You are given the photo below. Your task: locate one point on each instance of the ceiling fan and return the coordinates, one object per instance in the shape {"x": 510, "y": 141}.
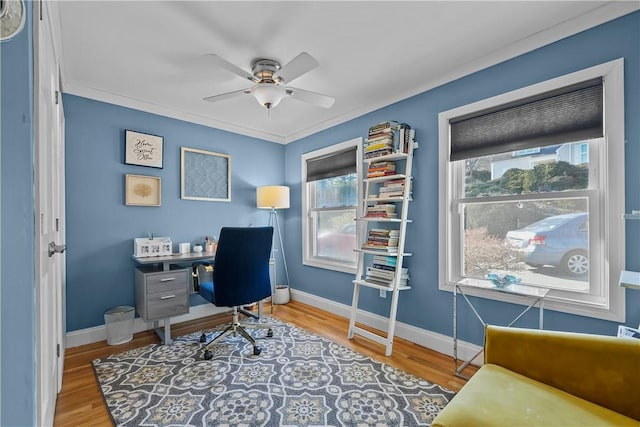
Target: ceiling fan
{"x": 271, "y": 81}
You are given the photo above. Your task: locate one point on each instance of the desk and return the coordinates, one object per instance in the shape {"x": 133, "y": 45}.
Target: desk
{"x": 535, "y": 294}
{"x": 163, "y": 288}
{"x": 167, "y": 260}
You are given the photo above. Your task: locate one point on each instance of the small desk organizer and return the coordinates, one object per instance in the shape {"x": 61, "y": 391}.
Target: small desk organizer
{"x": 158, "y": 246}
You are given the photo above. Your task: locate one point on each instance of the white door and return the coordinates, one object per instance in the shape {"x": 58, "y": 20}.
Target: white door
{"x": 49, "y": 181}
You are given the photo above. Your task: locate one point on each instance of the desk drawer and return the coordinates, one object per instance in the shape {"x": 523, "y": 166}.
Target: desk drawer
{"x": 167, "y": 304}
{"x": 165, "y": 281}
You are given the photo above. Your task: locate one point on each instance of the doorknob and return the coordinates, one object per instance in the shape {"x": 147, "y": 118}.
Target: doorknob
{"x": 56, "y": 249}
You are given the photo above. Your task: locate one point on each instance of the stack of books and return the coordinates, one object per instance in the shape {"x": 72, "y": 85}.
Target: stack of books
{"x": 381, "y": 210}
{"x": 392, "y": 188}
{"x": 377, "y": 169}
{"x": 387, "y": 138}
{"x": 383, "y": 271}
{"x": 378, "y": 144}
{"x": 382, "y": 239}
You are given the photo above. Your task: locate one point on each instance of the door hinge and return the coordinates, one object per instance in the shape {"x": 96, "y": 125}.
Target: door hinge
{"x": 57, "y": 350}
{"x": 57, "y": 224}
{"x": 57, "y": 95}
{"x": 41, "y": 14}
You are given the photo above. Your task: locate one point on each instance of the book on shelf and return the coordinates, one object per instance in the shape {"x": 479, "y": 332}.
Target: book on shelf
{"x": 379, "y": 272}
{"x": 385, "y": 260}
{"x": 399, "y": 136}
{"x": 378, "y": 145}
{"x": 383, "y": 127}
{"x": 386, "y": 165}
{"x": 384, "y": 281}
{"x": 381, "y": 169}
{"x": 387, "y": 232}
{"x": 383, "y": 207}
{"x": 381, "y": 215}
{"x": 392, "y": 188}
{"x": 380, "y": 246}
{"x": 379, "y": 138}
{"x": 378, "y": 153}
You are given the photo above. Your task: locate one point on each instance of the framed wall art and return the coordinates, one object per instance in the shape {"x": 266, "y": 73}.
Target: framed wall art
{"x": 143, "y": 149}
{"x": 205, "y": 175}
{"x": 142, "y": 190}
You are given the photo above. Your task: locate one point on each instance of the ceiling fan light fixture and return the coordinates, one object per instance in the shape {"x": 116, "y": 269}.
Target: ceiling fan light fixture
{"x": 268, "y": 94}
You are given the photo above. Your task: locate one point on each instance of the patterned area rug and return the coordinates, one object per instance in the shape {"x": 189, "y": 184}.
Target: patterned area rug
{"x": 300, "y": 379}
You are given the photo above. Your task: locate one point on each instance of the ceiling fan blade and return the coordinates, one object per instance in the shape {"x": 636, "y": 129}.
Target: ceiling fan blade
{"x": 223, "y": 63}
{"x": 299, "y": 65}
{"x": 228, "y": 95}
{"x": 318, "y": 99}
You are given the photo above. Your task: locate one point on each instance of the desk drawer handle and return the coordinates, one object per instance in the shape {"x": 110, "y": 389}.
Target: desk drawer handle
{"x": 168, "y": 297}
{"x": 168, "y": 279}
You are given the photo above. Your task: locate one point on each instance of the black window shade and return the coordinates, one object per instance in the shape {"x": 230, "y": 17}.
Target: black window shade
{"x": 569, "y": 114}
{"x": 332, "y": 165}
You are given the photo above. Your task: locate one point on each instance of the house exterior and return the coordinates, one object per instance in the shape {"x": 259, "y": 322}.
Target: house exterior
{"x": 574, "y": 153}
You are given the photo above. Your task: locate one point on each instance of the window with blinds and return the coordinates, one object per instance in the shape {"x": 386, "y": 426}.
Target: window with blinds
{"x": 330, "y": 192}
{"x": 527, "y": 190}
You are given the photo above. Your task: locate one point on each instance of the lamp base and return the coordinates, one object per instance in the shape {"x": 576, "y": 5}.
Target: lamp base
{"x": 281, "y": 295}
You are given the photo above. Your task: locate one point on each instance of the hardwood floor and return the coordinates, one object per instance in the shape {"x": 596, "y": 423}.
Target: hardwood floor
{"x": 80, "y": 402}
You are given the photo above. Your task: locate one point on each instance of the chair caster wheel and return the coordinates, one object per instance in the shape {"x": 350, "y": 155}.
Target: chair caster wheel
{"x": 270, "y": 333}
{"x": 257, "y": 350}
{"x": 203, "y": 337}
{"x": 208, "y": 355}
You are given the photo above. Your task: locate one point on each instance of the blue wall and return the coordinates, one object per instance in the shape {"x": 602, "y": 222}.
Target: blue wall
{"x": 101, "y": 228}
{"x": 17, "y": 319}
{"x": 424, "y": 305}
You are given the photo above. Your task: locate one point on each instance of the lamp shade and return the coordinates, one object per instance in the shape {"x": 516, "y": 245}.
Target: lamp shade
{"x": 273, "y": 197}
{"x": 268, "y": 95}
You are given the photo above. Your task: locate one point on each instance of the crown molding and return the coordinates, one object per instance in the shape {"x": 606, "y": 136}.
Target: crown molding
{"x": 166, "y": 111}
{"x": 603, "y": 14}
{"x": 593, "y": 18}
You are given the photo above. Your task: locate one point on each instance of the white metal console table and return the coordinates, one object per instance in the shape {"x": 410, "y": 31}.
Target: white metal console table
{"x": 535, "y": 294}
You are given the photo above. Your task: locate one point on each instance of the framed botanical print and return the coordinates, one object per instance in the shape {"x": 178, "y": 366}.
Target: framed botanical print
{"x": 143, "y": 190}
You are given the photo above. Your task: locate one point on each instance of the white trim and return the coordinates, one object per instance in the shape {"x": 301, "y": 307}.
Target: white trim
{"x": 166, "y": 111}
{"x": 611, "y": 184}
{"x": 307, "y": 257}
{"x": 432, "y": 340}
{"x": 603, "y": 14}
{"x": 99, "y": 333}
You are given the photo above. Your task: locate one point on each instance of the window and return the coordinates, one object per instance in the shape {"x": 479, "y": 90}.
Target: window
{"x": 330, "y": 194}
{"x": 584, "y": 153}
{"x": 515, "y": 200}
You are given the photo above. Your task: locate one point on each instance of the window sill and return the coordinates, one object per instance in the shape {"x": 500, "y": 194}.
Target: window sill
{"x": 331, "y": 265}
{"x": 580, "y": 308}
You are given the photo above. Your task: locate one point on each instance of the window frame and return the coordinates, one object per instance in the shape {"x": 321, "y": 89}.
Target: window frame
{"x": 308, "y": 223}
{"x": 607, "y": 301}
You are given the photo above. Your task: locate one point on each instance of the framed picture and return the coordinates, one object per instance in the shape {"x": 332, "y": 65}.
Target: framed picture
{"x": 142, "y": 190}
{"x": 205, "y": 175}
{"x": 143, "y": 149}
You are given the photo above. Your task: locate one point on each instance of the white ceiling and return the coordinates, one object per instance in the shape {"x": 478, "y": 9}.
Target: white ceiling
{"x": 149, "y": 55}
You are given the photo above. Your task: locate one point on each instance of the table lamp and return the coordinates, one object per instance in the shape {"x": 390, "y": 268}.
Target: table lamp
{"x": 274, "y": 197}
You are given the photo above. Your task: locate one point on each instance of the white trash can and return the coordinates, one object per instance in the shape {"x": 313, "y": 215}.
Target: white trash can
{"x": 281, "y": 295}
{"x": 119, "y": 322}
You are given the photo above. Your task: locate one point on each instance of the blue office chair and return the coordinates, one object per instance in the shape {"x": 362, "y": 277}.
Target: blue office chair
{"x": 240, "y": 277}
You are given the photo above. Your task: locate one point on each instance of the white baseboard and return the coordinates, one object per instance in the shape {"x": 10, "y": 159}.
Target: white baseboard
{"x": 99, "y": 333}
{"x": 432, "y": 340}
{"x": 435, "y": 341}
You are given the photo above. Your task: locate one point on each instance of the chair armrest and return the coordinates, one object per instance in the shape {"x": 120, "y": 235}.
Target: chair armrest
{"x": 600, "y": 369}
